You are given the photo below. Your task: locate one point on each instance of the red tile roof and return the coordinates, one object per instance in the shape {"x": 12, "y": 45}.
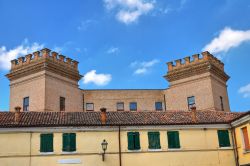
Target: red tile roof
{"x": 59, "y": 119}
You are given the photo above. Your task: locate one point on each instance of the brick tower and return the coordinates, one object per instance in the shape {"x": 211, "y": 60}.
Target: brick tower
{"x": 45, "y": 81}
{"x": 200, "y": 82}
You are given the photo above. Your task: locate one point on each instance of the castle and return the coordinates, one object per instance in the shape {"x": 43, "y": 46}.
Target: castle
{"x": 46, "y": 81}
{"x": 53, "y": 122}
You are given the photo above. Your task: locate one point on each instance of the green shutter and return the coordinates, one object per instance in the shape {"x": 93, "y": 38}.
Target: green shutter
{"x": 154, "y": 140}
{"x": 133, "y": 141}
{"x": 130, "y": 140}
{"x": 223, "y": 137}
{"x": 46, "y": 143}
{"x": 65, "y": 142}
{"x": 137, "y": 140}
{"x": 173, "y": 139}
{"x": 72, "y": 142}
{"x": 69, "y": 142}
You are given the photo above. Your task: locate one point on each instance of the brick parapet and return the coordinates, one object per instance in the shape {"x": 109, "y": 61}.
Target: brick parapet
{"x": 44, "y": 54}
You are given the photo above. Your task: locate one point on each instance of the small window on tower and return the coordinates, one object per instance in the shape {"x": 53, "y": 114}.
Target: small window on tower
{"x": 221, "y": 103}
{"x": 62, "y": 104}
{"x": 191, "y": 102}
{"x": 26, "y": 104}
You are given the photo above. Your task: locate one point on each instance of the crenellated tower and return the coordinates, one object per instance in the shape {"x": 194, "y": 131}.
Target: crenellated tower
{"x": 44, "y": 79}
{"x": 198, "y": 81}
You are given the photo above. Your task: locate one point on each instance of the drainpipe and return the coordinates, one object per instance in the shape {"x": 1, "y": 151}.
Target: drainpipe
{"x": 233, "y": 135}
{"x": 30, "y": 147}
{"x": 165, "y": 107}
{"x": 120, "y": 154}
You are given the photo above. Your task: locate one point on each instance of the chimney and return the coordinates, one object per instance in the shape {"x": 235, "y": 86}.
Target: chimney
{"x": 17, "y": 114}
{"x": 194, "y": 114}
{"x": 103, "y": 115}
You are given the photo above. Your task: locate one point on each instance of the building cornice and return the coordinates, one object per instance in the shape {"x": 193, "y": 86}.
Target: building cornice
{"x": 114, "y": 128}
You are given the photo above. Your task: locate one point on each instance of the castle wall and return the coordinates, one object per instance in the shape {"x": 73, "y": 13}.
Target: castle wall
{"x": 108, "y": 98}
{"x": 198, "y": 86}
{"x": 219, "y": 88}
{"x": 58, "y": 86}
{"x": 32, "y": 86}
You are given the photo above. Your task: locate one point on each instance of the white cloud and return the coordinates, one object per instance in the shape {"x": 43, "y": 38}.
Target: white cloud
{"x": 129, "y": 11}
{"x": 86, "y": 24}
{"x": 227, "y": 39}
{"x": 24, "y": 48}
{"x": 97, "y": 79}
{"x": 143, "y": 67}
{"x": 245, "y": 90}
{"x": 113, "y": 50}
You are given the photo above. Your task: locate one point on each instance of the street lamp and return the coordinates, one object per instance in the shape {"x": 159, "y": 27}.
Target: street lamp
{"x": 104, "y": 148}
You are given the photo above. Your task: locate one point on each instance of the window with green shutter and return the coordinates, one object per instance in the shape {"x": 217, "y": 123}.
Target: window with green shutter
{"x": 173, "y": 139}
{"x": 69, "y": 142}
{"x": 46, "y": 142}
{"x": 133, "y": 141}
{"x": 154, "y": 140}
{"x": 223, "y": 137}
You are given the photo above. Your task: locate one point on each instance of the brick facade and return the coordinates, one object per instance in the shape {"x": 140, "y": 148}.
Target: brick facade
{"x": 47, "y": 77}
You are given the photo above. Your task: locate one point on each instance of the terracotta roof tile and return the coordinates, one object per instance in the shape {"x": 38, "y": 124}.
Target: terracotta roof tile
{"x": 56, "y": 119}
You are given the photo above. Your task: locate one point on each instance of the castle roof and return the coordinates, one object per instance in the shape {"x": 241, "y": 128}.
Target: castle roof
{"x": 125, "y": 118}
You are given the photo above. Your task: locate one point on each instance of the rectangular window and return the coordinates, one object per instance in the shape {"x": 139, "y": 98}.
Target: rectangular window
{"x": 133, "y": 106}
{"x": 191, "y": 102}
{"x": 154, "y": 140}
{"x": 89, "y": 106}
{"x": 62, "y": 104}
{"x": 120, "y": 106}
{"x": 245, "y": 138}
{"x": 173, "y": 140}
{"x": 69, "y": 142}
{"x": 221, "y": 103}
{"x": 46, "y": 142}
{"x": 26, "y": 104}
{"x": 223, "y": 137}
{"x": 158, "y": 106}
{"x": 134, "y": 141}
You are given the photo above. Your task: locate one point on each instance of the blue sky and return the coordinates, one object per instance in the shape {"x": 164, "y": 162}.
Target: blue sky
{"x": 126, "y": 43}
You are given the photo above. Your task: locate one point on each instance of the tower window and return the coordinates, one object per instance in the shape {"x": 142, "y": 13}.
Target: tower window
{"x": 191, "y": 102}
{"x": 26, "y": 104}
{"x": 62, "y": 104}
{"x": 221, "y": 103}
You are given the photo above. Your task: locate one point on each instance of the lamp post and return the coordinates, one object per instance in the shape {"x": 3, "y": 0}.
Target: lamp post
{"x": 104, "y": 148}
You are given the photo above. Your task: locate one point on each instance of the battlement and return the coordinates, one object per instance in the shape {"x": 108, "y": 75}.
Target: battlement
{"x": 44, "y": 54}
{"x": 206, "y": 57}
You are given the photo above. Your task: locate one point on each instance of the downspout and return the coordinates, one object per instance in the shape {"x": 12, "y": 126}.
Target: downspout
{"x": 30, "y": 149}
{"x": 119, "y": 139}
{"x": 233, "y": 135}
{"x": 165, "y": 102}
